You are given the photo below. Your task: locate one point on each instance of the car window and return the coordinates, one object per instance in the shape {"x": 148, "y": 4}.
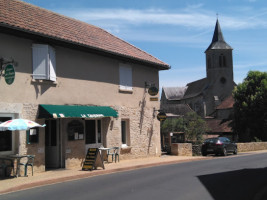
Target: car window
{"x": 211, "y": 140}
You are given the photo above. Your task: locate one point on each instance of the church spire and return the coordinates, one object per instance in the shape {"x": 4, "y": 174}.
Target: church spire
{"x": 218, "y": 40}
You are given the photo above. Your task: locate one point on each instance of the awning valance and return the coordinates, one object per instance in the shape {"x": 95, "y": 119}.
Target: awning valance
{"x": 75, "y": 111}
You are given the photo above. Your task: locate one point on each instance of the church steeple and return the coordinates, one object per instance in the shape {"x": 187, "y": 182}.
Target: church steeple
{"x": 218, "y": 41}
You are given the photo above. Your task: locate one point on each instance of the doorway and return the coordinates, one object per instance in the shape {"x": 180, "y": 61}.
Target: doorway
{"x": 93, "y": 134}
{"x": 52, "y": 144}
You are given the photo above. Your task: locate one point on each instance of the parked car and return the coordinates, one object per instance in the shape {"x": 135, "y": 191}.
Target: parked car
{"x": 219, "y": 145}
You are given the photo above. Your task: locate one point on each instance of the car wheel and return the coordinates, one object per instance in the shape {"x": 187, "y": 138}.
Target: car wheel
{"x": 204, "y": 153}
{"x": 235, "y": 151}
{"x": 224, "y": 152}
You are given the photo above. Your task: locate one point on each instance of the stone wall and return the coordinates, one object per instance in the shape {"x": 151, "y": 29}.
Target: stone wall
{"x": 252, "y": 146}
{"x": 181, "y": 149}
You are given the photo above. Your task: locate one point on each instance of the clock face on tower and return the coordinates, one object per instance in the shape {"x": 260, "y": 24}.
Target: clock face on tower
{"x": 223, "y": 80}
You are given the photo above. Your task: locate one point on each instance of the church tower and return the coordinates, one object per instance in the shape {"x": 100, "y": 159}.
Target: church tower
{"x": 219, "y": 69}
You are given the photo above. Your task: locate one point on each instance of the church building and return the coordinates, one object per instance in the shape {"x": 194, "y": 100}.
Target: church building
{"x": 205, "y": 95}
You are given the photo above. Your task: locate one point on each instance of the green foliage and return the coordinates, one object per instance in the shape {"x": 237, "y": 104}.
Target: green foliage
{"x": 195, "y": 127}
{"x": 191, "y": 124}
{"x": 250, "y": 108}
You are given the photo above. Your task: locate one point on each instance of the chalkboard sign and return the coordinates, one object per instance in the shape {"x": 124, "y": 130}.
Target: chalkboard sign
{"x": 93, "y": 160}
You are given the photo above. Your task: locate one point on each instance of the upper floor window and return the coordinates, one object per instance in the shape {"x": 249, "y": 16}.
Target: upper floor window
{"x": 126, "y": 77}
{"x": 209, "y": 63}
{"x": 44, "y": 62}
{"x": 222, "y": 61}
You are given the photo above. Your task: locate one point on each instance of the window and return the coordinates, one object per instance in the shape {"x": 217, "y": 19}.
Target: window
{"x": 93, "y": 132}
{"x": 222, "y": 61}
{"x": 32, "y": 136}
{"x": 75, "y": 130}
{"x": 125, "y": 77}
{"x": 6, "y": 137}
{"x": 125, "y": 133}
{"x": 44, "y": 62}
{"x": 209, "y": 63}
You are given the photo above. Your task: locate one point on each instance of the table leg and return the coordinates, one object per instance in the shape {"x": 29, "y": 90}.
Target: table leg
{"x": 18, "y": 167}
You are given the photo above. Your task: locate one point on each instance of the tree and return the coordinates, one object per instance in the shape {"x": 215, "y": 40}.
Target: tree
{"x": 191, "y": 124}
{"x": 250, "y": 108}
{"x": 195, "y": 127}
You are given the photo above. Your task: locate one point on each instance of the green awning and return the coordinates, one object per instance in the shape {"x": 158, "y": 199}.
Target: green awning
{"x": 74, "y": 111}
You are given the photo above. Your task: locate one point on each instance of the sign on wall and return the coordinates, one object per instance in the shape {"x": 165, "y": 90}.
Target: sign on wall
{"x": 9, "y": 74}
{"x": 153, "y": 91}
{"x": 161, "y": 116}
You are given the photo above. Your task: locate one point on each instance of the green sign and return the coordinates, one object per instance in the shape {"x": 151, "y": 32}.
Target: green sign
{"x": 9, "y": 74}
{"x": 153, "y": 91}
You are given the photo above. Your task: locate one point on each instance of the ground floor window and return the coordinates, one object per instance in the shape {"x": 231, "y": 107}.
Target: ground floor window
{"x": 6, "y": 137}
{"x": 125, "y": 132}
{"x": 93, "y": 130}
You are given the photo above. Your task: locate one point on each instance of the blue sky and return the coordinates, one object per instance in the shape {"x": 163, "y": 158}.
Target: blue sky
{"x": 179, "y": 31}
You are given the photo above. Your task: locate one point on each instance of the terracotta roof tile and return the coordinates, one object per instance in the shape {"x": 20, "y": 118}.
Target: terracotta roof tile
{"x": 227, "y": 103}
{"x": 29, "y": 18}
{"x": 218, "y": 126}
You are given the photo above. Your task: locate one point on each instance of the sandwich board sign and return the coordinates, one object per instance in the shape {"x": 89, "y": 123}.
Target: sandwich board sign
{"x": 92, "y": 160}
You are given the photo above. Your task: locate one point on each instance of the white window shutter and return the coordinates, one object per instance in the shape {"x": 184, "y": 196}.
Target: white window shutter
{"x": 126, "y": 77}
{"x": 39, "y": 61}
{"x": 52, "y": 64}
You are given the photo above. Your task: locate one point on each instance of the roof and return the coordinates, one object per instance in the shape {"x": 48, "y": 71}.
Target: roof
{"x": 227, "y": 103}
{"x": 218, "y": 126}
{"x": 174, "y": 93}
{"x": 176, "y": 109}
{"x": 27, "y": 18}
{"x": 195, "y": 88}
{"x": 218, "y": 41}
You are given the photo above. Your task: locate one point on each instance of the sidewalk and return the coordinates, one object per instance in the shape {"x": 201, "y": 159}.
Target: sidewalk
{"x": 62, "y": 175}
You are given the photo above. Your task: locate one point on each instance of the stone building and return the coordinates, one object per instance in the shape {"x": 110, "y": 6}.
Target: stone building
{"x": 87, "y": 85}
{"x": 205, "y": 95}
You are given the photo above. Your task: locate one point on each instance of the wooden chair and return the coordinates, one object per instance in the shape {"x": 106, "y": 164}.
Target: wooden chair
{"x": 29, "y": 162}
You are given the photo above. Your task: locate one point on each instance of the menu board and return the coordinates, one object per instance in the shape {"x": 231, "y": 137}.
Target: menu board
{"x": 93, "y": 160}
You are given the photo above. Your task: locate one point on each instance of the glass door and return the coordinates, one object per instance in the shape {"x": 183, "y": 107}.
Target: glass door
{"x": 93, "y": 134}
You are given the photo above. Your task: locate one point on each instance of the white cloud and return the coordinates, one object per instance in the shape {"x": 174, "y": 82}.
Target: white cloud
{"x": 192, "y": 18}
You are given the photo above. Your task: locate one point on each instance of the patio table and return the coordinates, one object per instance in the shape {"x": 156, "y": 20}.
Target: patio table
{"x": 17, "y": 158}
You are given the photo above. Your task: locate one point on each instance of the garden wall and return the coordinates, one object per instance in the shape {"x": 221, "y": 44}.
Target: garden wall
{"x": 181, "y": 149}
{"x": 251, "y": 146}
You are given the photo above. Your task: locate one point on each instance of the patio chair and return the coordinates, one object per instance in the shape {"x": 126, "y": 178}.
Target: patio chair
{"x": 111, "y": 152}
{"x": 117, "y": 154}
{"x": 29, "y": 162}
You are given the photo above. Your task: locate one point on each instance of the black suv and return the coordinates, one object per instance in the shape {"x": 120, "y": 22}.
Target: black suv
{"x": 219, "y": 145}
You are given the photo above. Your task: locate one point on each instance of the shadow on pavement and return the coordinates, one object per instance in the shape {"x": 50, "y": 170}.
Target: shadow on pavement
{"x": 246, "y": 184}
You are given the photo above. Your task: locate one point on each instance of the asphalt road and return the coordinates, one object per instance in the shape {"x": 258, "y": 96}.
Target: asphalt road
{"x": 241, "y": 177}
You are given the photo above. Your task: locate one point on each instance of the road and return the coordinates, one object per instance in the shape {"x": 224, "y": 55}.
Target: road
{"x": 223, "y": 178}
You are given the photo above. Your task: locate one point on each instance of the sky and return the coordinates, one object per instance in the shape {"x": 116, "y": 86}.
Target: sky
{"x": 179, "y": 31}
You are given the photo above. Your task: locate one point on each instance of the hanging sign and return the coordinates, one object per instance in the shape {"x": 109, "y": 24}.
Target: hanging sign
{"x": 92, "y": 160}
{"x": 9, "y": 74}
{"x": 153, "y": 91}
{"x": 162, "y": 116}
